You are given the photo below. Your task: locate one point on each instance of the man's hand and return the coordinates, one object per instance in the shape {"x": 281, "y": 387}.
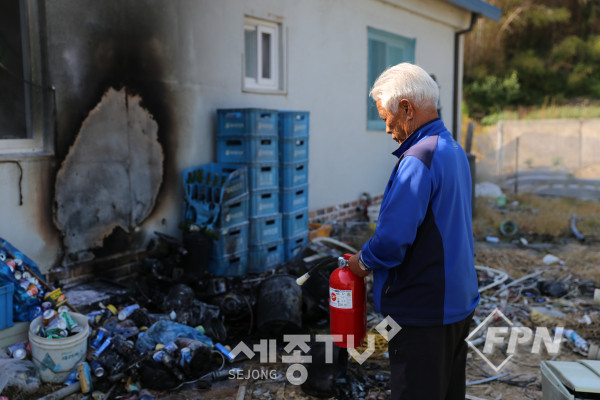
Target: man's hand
{"x": 355, "y": 267}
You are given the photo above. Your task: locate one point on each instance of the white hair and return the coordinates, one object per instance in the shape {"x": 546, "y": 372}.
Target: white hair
{"x": 405, "y": 81}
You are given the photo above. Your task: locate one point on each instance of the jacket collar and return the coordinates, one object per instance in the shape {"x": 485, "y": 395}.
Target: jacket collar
{"x": 421, "y": 132}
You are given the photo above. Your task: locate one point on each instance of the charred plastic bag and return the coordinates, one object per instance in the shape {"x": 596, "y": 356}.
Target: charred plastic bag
{"x": 25, "y": 307}
{"x": 165, "y": 331}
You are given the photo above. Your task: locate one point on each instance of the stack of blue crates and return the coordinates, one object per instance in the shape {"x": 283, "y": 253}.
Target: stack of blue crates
{"x": 216, "y": 196}
{"x": 293, "y": 180}
{"x": 248, "y": 137}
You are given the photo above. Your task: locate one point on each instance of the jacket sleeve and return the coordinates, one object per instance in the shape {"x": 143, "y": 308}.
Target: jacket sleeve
{"x": 402, "y": 211}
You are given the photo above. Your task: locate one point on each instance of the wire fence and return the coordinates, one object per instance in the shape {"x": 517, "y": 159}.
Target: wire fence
{"x": 547, "y": 155}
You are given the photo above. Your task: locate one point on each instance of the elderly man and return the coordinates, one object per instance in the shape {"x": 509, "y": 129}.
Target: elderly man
{"x": 421, "y": 253}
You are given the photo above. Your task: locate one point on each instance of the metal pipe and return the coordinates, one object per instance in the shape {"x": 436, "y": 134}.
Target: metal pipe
{"x": 499, "y": 278}
{"x": 493, "y": 378}
{"x": 455, "y": 105}
{"x": 64, "y": 392}
{"x": 578, "y": 235}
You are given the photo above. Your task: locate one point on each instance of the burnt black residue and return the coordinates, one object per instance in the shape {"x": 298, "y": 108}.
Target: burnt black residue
{"x": 125, "y": 46}
{"x": 117, "y": 242}
{"x": 140, "y": 71}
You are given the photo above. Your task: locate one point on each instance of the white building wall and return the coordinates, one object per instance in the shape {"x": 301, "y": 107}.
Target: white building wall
{"x": 202, "y": 43}
{"x": 327, "y": 75}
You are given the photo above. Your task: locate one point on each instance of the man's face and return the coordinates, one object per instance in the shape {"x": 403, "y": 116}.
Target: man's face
{"x": 395, "y": 124}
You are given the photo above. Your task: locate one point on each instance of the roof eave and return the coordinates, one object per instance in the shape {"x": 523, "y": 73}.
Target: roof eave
{"x": 480, "y": 7}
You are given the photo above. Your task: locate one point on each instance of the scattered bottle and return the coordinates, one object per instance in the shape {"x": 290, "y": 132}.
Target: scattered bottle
{"x": 126, "y": 312}
{"x": 97, "y": 368}
{"x": 18, "y": 351}
{"x": 84, "y": 374}
{"x": 577, "y": 340}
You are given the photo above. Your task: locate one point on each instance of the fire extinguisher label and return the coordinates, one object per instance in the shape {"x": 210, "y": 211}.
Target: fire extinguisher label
{"x": 340, "y": 298}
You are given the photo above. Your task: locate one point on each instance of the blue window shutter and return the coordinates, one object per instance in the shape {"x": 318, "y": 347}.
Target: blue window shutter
{"x": 385, "y": 50}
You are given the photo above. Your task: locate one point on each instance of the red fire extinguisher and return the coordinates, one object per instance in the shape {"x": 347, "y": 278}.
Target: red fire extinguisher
{"x": 347, "y": 305}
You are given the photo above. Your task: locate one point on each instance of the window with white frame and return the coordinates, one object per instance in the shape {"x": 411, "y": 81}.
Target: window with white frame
{"x": 263, "y": 61}
{"x": 385, "y": 49}
{"x": 23, "y": 114}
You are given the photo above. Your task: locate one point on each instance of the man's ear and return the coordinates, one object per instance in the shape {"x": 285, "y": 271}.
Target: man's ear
{"x": 408, "y": 108}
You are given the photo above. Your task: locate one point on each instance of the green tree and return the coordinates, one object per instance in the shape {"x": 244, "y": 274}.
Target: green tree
{"x": 552, "y": 46}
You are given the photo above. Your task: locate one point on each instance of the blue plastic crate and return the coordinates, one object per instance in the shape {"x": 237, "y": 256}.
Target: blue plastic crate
{"x": 232, "y": 150}
{"x": 6, "y": 306}
{"x": 293, "y": 123}
{"x": 229, "y": 213}
{"x": 231, "y": 240}
{"x": 293, "y": 199}
{"x": 263, "y": 176}
{"x": 265, "y": 229}
{"x": 293, "y": 150}
{"x": 234, "y": 211}
{"x": 229, "y": 265}
{"x": 215, "y": 182}
{"x": 264, "y": 202}
{"x": 295, "y": 223}
{"x": 293, "y": 174}
{"x": 247, "y": 149}
{"x": 293, "y": 246}
{"x": 247, "y": 121}
{"x": 265, "y": 256}
{"x": 198, "y": 213}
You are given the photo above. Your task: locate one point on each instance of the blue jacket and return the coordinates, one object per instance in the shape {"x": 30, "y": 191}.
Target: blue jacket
{"x": 422, "y": 251}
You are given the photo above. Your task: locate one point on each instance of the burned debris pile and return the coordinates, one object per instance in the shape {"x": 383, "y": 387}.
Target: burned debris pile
{"x": 175, "y": 328}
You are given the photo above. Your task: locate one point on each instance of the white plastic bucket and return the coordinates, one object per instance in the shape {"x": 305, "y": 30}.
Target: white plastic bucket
{"x": 56, "y": 358}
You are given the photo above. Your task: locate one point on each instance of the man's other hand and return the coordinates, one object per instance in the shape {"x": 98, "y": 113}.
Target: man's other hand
{"x": 355, "y": 267}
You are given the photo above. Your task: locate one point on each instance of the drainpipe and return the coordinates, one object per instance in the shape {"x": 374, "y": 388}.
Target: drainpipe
{"x": 455, "y": 105}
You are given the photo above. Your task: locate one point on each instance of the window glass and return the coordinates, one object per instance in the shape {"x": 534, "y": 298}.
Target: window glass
{"x": 263, "y": 56}
{"x": 385, "y": 50}
{"x": 12, "y": 99}
{"x": 250, "y": 46}
{"x": 266, "y": 55}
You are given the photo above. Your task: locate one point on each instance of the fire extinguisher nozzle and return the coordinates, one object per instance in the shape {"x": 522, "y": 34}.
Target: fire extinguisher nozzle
{"x": 300, "y": 281}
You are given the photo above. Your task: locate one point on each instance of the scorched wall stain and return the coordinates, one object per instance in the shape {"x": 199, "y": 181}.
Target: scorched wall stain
{"x": 111, "y": 175}
{"x": 120, "y": 45}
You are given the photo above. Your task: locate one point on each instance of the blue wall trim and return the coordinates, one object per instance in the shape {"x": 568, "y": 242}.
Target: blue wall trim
{"x": 478, "y": 6}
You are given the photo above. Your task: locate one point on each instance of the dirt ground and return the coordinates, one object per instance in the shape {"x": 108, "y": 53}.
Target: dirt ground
{"x": 543, "y": 229}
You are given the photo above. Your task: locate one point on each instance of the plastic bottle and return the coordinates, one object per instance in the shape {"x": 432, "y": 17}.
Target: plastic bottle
{"x": 216, "y": 189}
{"x": 577, "y": 340}
{"x": 225, "y": 351}
{"x": 126, "y": 312}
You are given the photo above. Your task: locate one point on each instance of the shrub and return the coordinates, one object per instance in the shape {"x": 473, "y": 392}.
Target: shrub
{"x": 492, "y": 94}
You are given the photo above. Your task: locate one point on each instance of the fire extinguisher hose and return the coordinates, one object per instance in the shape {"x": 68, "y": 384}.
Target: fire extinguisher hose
{"x": 327, "y": 261}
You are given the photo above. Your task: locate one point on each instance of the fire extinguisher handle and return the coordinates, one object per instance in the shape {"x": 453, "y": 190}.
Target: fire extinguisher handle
{"x": 343, "y": 261}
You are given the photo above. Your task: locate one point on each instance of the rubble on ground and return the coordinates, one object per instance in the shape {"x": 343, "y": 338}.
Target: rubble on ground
{"x": 171, "y": 333}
